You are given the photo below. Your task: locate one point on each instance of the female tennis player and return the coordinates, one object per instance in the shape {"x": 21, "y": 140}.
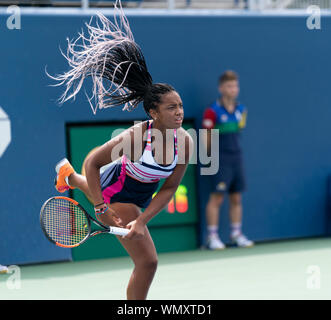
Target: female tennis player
{"x": 121, "y": 180}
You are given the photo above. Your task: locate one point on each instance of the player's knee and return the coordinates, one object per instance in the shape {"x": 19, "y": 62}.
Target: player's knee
{"x": 149, "y": 264}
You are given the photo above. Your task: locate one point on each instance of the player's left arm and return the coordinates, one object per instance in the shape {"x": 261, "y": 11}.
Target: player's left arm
{"x": 166, "y": 192}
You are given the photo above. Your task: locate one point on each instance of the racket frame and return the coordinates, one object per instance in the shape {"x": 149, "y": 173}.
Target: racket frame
{"x": 106, "y": 229}
{"x": 88, "y": 218}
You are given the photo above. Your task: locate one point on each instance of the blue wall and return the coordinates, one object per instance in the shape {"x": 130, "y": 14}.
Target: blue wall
{"x": 284, "y": 70}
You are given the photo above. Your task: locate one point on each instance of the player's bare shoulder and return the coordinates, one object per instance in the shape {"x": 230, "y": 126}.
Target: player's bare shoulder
{"x": 137, "y": 134}
{"x": 185, "y": 145}
{"x": 138, "y": 129}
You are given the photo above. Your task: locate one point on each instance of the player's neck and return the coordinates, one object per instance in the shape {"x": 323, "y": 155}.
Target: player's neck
{"x": 164, "y": 131}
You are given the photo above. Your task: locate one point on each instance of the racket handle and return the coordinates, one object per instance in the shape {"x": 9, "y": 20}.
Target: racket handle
{"x": 119, "y": 231}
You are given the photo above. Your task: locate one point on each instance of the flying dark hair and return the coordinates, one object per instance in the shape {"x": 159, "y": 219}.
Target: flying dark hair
{"x": 154, "y": 93}
{"x": 115, "y": 63}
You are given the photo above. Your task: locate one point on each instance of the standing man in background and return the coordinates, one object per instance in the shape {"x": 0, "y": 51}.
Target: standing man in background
{"x": 227, "y": 115}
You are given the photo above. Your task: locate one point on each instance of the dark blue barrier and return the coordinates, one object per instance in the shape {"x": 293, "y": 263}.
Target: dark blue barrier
{"x": 328, "y": 206}
{"x": 284, "y": 72}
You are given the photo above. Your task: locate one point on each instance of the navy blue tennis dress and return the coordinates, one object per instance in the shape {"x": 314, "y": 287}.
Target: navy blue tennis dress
{"x": 135, "y": 182}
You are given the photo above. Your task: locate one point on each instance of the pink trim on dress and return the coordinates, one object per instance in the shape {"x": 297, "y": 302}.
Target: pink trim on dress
{"x": 116, "y": 186}
{"x": 175, "y": 134}
{"x": 148, "y": 147}
{"x": 147, "y": 175}
{"x": 135, "y": 178}
{"x": 149, "y": 137}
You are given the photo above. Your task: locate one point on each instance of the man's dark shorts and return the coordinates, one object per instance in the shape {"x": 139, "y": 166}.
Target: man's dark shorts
{"x": 230, "y": 178}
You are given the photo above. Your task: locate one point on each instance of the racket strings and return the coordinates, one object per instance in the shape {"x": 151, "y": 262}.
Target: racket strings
{"x": 64, "y": 222}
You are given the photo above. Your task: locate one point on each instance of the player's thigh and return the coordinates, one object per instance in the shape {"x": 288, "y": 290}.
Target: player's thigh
{"x": 126, "y": 211}
{"x": 142, "y": 251}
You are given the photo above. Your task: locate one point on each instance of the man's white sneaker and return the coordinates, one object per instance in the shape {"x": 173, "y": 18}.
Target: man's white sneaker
{"x": 215, "y": 243}
{"x": 241, "y": 241}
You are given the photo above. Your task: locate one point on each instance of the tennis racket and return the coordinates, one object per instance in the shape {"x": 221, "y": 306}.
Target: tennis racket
{"x": 66, "y": 224}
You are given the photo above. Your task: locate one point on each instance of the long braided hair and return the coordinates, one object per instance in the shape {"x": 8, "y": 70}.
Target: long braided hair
{"x": 115, "y": 63}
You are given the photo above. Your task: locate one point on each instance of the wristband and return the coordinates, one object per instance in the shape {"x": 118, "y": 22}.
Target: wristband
{"x": 101, "y": 210}
{"x": 97, "y": 205}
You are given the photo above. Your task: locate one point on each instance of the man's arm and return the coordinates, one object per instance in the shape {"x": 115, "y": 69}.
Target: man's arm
{"x": 208, "y": 123}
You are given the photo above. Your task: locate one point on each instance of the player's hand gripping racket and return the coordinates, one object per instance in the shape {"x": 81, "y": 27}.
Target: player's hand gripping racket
{"x": 66, "y": 224}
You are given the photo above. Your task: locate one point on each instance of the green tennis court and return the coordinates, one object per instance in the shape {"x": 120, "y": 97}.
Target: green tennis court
{"x": 277, "y": 270}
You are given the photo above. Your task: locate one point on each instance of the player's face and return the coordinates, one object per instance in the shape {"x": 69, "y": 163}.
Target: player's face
{"x": 229, "y": 89}
{"x": 170, "y": 111}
